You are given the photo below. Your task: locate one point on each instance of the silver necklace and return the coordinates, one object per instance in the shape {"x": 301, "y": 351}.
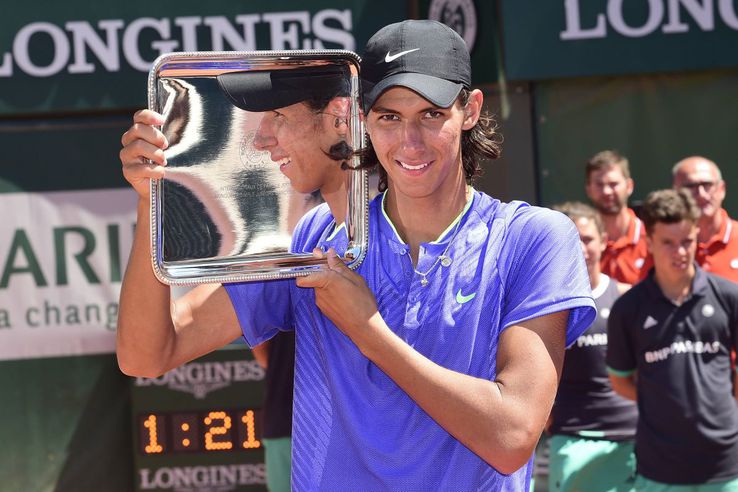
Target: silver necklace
{"x": 442, "y": 258}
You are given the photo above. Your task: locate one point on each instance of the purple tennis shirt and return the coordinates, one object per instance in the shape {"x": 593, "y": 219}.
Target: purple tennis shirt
{"x": 353, "y": 427}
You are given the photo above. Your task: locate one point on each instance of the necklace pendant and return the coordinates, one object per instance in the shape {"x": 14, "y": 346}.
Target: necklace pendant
{"x": 423, "y": 281}
{"x": 445, "y": 261}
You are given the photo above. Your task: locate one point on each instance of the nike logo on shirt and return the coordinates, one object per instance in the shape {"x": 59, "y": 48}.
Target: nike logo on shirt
{"x": 462, "y": 299}
{"x": 649, "y": 323}
{"x": 389, "y": 58}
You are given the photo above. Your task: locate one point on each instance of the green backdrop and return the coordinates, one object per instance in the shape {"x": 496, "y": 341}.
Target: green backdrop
{"x": 655, "y": 120}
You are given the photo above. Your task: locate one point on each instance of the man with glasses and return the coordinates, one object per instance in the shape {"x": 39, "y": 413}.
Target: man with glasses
{"x": 717, "y": 249}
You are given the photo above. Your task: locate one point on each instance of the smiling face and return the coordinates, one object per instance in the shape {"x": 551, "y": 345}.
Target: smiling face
{"x": 419, "y": 144}
{"x": 609, "y": 189}
{"x": 673, "y": 246}
{"x": 297, "y": 140}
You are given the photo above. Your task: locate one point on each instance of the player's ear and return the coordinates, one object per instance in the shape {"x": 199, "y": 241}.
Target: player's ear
{"x": 338, "y": 107}
{"x": 473, "y": 109}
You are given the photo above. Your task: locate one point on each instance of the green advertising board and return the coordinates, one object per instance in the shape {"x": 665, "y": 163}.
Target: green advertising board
{"x": 572, "y": 38}
{"x": 92, "y": 56}
{"x": 55, "y": 154}
{"x": 198, "y": 426}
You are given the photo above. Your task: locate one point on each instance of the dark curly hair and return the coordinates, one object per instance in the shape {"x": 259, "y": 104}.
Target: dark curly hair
{"x": 340, "y": 151}
{"x": 479, "y": 143}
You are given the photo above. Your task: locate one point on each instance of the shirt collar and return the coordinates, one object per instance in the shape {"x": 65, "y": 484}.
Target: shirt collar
{"x": 726, "y": 229}
{"x": 699, "y": 284}
{"x": 637, "y": 229}
{"x": 334, "y": 236}
{"x": 389, "y": 231}
{"x": 632, "y": 235}
{"x": 601, "y": 287}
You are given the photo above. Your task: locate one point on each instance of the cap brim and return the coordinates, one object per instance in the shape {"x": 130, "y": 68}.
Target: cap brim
{"x": 258, "y": 91}
{"x": 252, "y": 91}
{"x": 440, "y": 92}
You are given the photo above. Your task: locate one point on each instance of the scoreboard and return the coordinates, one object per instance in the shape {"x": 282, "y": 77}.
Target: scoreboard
{"x": 197, "y": 428}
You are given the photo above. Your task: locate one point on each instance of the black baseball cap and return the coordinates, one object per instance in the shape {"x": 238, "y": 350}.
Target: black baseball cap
{"x": 266, "y": 90}
{"x": 423, "y": 55}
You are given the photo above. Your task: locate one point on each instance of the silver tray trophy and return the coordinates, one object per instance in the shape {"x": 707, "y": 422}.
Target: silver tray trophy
{"x": 236, "y": 184}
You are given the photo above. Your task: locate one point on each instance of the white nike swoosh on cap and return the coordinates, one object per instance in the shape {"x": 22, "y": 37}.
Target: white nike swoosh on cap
{"x": 388, "y": 58}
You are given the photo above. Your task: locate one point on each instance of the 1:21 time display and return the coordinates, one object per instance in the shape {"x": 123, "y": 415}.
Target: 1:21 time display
{"x": 202, "y": 431}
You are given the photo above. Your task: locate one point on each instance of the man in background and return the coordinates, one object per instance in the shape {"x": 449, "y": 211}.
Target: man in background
{"x": 608, "y": 186}
{"x": 717, "y": 248}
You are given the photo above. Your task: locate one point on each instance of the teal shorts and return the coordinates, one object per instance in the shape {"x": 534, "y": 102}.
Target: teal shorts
{"x": 642, "y": 484}
{"x": 587, "y": 465}
{"x": 277, "y": 459}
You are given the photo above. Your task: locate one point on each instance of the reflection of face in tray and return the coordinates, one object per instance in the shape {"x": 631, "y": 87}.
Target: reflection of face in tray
{"x": 301, "y": 143}
{"x": 214, "y": 205}
{"x": 304, "y": 120}
{"x": 226, "y": 192}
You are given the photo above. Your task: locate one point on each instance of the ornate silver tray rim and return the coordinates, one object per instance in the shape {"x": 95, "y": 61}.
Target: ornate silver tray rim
{"x": 268, "y": 266}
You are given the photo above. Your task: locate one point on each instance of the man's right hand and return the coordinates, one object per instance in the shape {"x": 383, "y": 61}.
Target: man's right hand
{"x": 142, "y": 154}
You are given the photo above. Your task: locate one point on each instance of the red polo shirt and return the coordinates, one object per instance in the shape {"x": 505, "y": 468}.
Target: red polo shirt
{"x": 719, "y": 255}
{"x": 627, "y": 259}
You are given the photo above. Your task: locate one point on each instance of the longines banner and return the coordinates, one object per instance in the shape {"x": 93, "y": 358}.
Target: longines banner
{"x": 570, "y": 38}
{"x": 94, "y": 55}
{"x": 62, "y": 255}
